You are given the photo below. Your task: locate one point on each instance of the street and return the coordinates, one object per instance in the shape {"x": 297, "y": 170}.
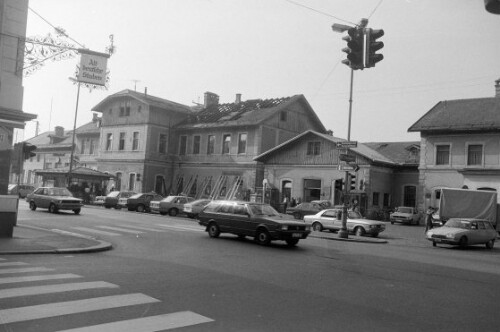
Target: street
{"x": 168, "y": 268}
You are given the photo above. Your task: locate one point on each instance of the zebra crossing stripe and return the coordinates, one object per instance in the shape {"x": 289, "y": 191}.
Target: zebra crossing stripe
{"x": 148, "y": 324}
{"x": 121, "y": 229}
{"x": 48, "y": 289}
{"x": 24, "y": 270}
{"x": 21, "y": 314}
{"x": 96, "y": 231}
{"x": 180, "y": 228}
{"x": 11, "y": 280}
{"x": 143, "y": 228}
{"x": 12, "y": 264}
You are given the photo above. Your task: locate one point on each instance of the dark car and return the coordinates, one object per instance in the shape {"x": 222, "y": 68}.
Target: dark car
{"x": 140, "y": 202}
{"x": 305, "y": 209}
{"x": 111, "y": 200}
{"x": 54, "y": 199}
{"x": 257, "y": 220}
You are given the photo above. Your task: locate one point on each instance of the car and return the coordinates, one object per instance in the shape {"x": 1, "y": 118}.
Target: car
{"x": 140, "y": 202}
{"x": 171, "y": 205}
{"x": 99, "y": 200}
{"x": 405, "y": 215}
{"x": 54, "y": 199}
{"x": 464, "y": 232}
{"x": 258, "y": 220}
{"x": 193, "y": 208}
{"x": 21, "y": 190}
{"x": 326, "y": 203}
{"x": 111, "y": 200}
{"x": 331, "y": 219}
{"x": 304, "y": 209}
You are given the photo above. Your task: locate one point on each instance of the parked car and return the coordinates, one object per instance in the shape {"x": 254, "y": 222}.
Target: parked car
{"x": 304, "y": 209}
{"x": 193, "y": 208}
{"x": 171, "y": 205}
{"x": 54, "y": 199}
{"x": 405, "y": 215}
{"x": 21, "y": 190}
{"x": 331, "y": 219}
{"x": 257, "y": 220}
{"x": 326, "y": 203}
{"x": 464, "y": 232}
{"x": 99, "y": 200}
{"x": 111, "y": 200}
{"x": 141, "y": 202}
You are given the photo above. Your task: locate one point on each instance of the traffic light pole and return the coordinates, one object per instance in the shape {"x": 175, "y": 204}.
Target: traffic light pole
{"x": 74, "y": 133}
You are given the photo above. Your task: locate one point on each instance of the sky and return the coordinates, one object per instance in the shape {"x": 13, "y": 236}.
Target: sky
{"x": 179, "y": 49}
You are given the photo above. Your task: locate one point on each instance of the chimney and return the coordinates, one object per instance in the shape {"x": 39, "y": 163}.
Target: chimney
{"x": 59, "y": 131}
{"x": 497, "y": 88}
{"x": 238, "y": 98}
{"x": 94, "y": 117}
{"x": 146, "y": 91}
{"x": 211, "y": 99}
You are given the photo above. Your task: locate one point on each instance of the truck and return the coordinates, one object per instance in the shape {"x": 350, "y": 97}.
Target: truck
{"x": 467, "y": 203}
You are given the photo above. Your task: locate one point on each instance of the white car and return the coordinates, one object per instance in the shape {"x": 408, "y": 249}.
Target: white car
{"x": 331, "y": 219}
{"x": 405, "y": 215}
{"x": 464, "y": 232}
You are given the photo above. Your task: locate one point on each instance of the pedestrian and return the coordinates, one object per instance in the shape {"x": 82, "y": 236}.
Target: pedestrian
{"x": 293, "y": 203}
{"x": 285, "y": 204}
{"x": 428, "y": 218}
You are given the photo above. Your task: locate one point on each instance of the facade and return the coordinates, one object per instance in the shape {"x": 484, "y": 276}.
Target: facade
{"x": 460, "y": 146}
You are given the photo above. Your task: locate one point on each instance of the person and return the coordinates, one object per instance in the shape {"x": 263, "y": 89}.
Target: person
{"x": 428, "y": 218}
{"x": 285, "y": 204}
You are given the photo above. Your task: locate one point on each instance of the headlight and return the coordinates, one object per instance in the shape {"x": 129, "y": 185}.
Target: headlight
{"x": 284, "y": 227}
{"x": 450, "y": 236}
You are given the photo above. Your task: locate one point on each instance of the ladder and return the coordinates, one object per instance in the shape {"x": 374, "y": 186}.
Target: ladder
{"x": 234, "y": 188}
{"x": 206, "y": 182}
{"x": 187, "y": 188}
{"x": 179, "y": 181}
{"x": 217, "y": 187}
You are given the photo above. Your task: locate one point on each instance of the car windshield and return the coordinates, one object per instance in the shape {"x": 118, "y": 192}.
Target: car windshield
{"x": 457, "y": 223}
{"x": 11, "y": 186}
{"x": 405, "y": 210}
{"x": 263, "y": 209}
{"x": 59, "y": 192}
{"x": 136, "y": 196}
{"x": 169, "y": 199}
{"x": 114, "y": 194}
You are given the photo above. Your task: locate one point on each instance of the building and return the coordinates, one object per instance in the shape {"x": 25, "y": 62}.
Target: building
{"x": 460, "y": 146}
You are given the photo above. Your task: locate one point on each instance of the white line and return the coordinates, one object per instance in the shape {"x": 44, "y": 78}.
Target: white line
{"x": 143, "y": 228}
{"x": 12, "y": 264}
{"x": 120, "y": 229}
{"x": 2, "y": 259}
{"x": 27, "y": 269}
{"x": 11, "y": 280}
{"x": 72, "y": 307}
{"x": 180, "y": 228}
{"x": 73, "y": 234}
{"x": 91, "y": 230}
{"x": 148, "y": 324}
{"x": 48, "y": 289}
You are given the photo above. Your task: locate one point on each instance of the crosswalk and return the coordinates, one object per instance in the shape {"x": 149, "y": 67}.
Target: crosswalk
{"x": 27, "y": 283}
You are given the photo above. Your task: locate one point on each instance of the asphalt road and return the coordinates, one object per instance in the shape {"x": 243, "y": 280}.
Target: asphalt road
{"x": 168, "y": 268}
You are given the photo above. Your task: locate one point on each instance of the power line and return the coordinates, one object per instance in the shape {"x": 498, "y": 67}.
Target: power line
{"x": 376, "y": 7}
{"x": 319, "y": 12}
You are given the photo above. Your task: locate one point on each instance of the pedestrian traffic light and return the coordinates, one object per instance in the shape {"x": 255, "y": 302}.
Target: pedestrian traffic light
{"x": 355, "y": 48}
{"x": 352, "y": 181}
{"x": 28, "y": 150}
{"x": 372, "y": 46}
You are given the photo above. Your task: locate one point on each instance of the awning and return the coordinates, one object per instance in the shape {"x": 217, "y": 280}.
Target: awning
{"x": 76, "y": 173}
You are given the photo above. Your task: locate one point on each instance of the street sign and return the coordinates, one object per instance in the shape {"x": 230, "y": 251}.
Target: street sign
{"x": 344, "y": 167}
{"x": 347, "y": 144}
{"x": 347, "y": 158}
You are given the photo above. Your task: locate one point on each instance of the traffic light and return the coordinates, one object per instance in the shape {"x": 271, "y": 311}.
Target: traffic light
{"x": 352, "y": 181}
{"x": 339, "y": 184}
{"x": 138, "y": 177}
{"x": 355, "y": 48}
{"x": 372, "y": 46}
{"x": 28, "y": 150}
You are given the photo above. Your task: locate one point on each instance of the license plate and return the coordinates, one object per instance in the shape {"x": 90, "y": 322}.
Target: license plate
{"x": 436, "y": 240}
{"x": 299, "y": 235}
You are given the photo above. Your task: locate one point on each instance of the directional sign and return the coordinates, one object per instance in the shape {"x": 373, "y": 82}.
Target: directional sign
{"x": 347, "y": 158}
{"x": 347, "y": 144}
{"x": 344, "y": 167}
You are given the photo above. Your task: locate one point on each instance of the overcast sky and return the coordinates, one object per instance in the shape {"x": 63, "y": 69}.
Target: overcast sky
{"x": 179, "y": 49}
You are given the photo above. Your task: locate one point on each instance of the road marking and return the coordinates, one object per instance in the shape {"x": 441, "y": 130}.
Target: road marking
{"x": 11, "y": 280}
{"x": 73, "y": 234}
{"x": 48, "y": 289}
{"x": 91, "y": 230}
{"x": 180, "y": 228}
{"x": 72, "y": 307}
{"x": 148, "y": 324}
{"x": 23, "y": 270}
{"x": 144, "y": 228}
{"x": 12, "y": 264}
{"x": 120, "y": 229}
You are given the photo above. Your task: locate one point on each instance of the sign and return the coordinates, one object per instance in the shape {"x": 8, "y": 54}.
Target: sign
{"x": 347, "y": 144}
{"x": 347, "y": 158}
{"x": 93, "y": 67}
{"x": 344, "y": 167}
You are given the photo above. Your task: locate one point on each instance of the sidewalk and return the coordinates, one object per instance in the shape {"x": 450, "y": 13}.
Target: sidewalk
{"x": 34, "y": 240}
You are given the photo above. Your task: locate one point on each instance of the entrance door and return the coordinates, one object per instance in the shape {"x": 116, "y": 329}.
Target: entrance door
{"x": 312, "y": 190}
{"x": 286, "y": 190}
{"x": 410, "y": 196}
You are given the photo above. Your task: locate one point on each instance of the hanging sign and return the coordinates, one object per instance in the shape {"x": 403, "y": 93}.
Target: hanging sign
{"x": 93, "y": 67}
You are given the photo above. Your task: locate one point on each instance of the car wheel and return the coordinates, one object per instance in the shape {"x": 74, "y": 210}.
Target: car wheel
{"x": 296, "y": 215}
{"x": 490, "y": 244}
{"x": 32, "y": 206}
{"x": 292, "y": 242}
{"x": 375, "y": 235}
{"x": 173, "y": 212}
{"x": 190, "y": 215}
{"x": 434, "y": 244}
{"x": 140, "y": 208}
{"x": 317, "y": 227}
{"x": 392, "y": 222}
{"x": 463, "y": 242}
{"x": 262, "y": 237}
{"x": 359, "y": 231}
{"x": 241, "y": 236}
{"x": 77, "y": 211}
{"x": 213, "y": 230}
{"x": 107, "y": 206}
{"x": 52, "y": 208}
{"x": 163, "y": 213}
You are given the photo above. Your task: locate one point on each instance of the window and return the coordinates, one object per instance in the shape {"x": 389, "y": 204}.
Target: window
{"x": 162, "y": 146}
{"x": 313, "y": 148}
{"x": 109, "y": 141}
{"x": 387, "y": 200}
{"x": 135, "y": 141}
{"x": 226, "y": 143}
{"x": 125, "y": 109}
{"x": 118, "y": 181}
{"x": 37, "y": 157}
{"x": 442, "y": 154}
{"x": 196, "y": 144}
{"x": 475, "y": 154}
{"x": 375, "y": 199}
{"x": 242, "y": 143}
{"x": 122, "y": 142}
{"x": 159, "y": 181}
{"x": 283, "y": 115}
{"x": 92, "y": 147}
{"x": 410, "y": 196}
{"x": 183, "y": 145}
{"x": 82, "y": 148}
{"x": 211, "y": 144}
{"x": 131, "y": 181}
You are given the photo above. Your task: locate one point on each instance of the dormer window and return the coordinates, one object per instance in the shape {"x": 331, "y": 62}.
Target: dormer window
{"x": 283, "y": 116}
